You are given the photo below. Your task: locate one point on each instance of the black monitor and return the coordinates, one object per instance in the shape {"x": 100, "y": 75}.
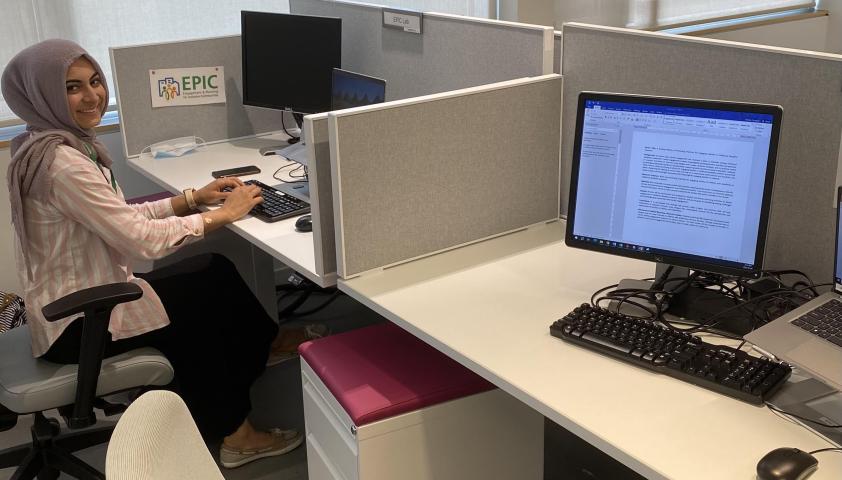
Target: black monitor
{"x": 288, "y": 60}
{"x": 676, "y": 181}
{"x": 355, "y": 90}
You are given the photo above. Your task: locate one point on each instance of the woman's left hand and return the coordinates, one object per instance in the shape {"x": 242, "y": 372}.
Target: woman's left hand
{"x": 212, "y": 194}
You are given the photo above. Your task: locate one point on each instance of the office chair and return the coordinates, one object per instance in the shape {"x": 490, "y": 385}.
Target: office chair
{"x": 31, "y": 385}
{"x": 157, "y": 439}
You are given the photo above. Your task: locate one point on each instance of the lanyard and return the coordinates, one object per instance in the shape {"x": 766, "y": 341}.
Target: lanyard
{"x": 93, "y": 157}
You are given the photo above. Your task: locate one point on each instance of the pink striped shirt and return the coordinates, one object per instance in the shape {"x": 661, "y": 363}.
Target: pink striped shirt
{"x": 85, "y": 235}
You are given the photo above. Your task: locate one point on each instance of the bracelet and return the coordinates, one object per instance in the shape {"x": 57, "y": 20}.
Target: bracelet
{"x": 188, "y": 196}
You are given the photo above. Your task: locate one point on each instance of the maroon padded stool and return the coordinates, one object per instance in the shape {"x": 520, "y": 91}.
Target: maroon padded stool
{"x": 381, "y": 404}
{"x": 382, "y": 371}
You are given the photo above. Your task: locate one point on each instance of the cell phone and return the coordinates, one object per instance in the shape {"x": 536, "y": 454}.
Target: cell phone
{"x": 236, "y": 172}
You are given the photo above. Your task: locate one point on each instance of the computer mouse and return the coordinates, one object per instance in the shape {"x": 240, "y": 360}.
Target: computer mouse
{"x": 786, "y": 464}
{"x": 304, "y": 223}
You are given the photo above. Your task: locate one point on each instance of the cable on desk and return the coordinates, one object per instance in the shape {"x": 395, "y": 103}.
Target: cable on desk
{"x": 803, "y": 419}
{"x": 832, "y": 449}
{"x": 302, "y": 176}
{"x": 761, "y": 308}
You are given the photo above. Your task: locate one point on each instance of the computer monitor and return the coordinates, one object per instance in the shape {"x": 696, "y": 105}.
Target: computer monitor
{"x": 288, "y": 60}
{"x": 352, "y": 89}
{"x": 676, "y": 181}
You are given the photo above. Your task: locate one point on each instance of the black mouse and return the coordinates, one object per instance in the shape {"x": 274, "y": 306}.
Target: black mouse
{"x": 304, "y": 223}
{"x": 786, "y": 464}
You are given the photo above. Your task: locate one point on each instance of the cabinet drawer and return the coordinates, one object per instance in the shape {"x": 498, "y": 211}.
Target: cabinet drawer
{"x": 337, "y": 445}
{"x": 318, "y": 466}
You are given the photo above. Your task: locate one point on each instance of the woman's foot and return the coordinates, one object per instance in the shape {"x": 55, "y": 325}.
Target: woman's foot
{"x": 285, "y": 345}
{"x": 247, "y": 444}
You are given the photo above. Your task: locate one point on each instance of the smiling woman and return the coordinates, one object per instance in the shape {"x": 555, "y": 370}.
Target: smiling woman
{"x": 75, "y": 230}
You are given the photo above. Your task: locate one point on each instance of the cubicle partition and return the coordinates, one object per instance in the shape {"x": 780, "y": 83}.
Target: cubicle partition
{"x": 557, "y": 49}
{"x": 452, "y": 52}
{"x": 321, "y": 196}
{"x": 808, "y": 85}
{"x": 419, "y": 176}
{"x": 141, "y": 125}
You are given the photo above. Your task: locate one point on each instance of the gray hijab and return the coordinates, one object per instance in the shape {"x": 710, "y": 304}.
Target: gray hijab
{"x": 33, "y": 85}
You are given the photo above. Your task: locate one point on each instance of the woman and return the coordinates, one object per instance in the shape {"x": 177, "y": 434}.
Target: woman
{"x": 75, "y": 231}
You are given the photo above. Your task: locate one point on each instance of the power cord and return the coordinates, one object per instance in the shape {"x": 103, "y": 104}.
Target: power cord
{"x": 297, "y": 178}
{"x": 292, "y": 139}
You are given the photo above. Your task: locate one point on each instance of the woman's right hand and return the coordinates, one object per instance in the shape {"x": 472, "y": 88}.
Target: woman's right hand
{"x": 240, "y": 202}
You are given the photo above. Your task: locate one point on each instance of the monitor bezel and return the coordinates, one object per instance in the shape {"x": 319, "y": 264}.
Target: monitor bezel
{"x": 305, "y": 109}
{"x": 684, "y": 260}
{"x": 350, "y": 74}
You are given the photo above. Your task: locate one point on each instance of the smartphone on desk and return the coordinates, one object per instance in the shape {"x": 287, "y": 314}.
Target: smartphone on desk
{"x": 236, "y": 172}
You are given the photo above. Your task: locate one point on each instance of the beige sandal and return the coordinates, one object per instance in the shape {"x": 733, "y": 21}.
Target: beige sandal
{"x": 285, "y": 441}
{"x": 285, "y": 346}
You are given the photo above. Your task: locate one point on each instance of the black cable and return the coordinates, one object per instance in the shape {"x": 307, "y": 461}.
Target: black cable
{"x": 292, "y": 139}
{"x": 287, "y": 312}
{"x": 289, "y": 164}
{"x": 831, "y": 449}
{"x": 324, "y": 304}
{"x": 805, "y": 419}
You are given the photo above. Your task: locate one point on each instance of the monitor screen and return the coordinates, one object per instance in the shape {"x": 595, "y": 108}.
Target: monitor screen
{"x": 288, "y": 60}
{"x": 679, "y": 181}
{"x": 355, "y": 90}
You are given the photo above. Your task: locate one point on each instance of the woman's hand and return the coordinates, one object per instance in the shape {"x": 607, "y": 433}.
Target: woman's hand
{"x": 212, "y": 194}
{"x": 240, "y": 201}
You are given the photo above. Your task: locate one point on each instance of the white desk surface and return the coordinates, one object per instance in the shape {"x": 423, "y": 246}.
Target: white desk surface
{"x": 489, "y": 306}
{"x": 278, "y": 239}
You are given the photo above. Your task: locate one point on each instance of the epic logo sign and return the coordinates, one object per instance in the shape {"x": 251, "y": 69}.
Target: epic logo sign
{"x": 187, "y": 86}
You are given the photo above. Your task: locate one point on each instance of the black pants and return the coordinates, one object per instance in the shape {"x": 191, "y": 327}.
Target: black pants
{"x": 217, "y": 341}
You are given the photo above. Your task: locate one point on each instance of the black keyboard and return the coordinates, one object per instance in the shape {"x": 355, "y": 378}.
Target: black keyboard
{"x": 680, "y": 355}
{"x": 276, "y": 205}
{"x": 824, "y": 321}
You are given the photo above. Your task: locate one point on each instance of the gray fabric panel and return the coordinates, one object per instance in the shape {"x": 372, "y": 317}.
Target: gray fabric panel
{"x": 809, "y": 90}
{"x": 142, "y": 125}
{"x": 449, "y": 55}
{"x": 323, "y": 209}
{"x": 421, "y": 178}
{"x": 557, "y": 49}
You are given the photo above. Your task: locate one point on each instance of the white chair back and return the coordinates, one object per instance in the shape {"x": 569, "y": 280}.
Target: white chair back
{"x": 157, "y": 439}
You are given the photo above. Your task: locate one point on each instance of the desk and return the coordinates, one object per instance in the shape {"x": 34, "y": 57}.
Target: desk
{"x": 489, "y": 306}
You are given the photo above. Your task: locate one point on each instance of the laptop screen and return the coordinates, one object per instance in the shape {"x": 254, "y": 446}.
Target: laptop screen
{"x": 837, "y": 271}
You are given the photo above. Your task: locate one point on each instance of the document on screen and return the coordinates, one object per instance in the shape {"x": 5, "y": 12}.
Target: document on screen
{"x": 688, "y": 193}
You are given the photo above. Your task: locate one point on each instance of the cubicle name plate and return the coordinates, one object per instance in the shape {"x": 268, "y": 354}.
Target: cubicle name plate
{"x": 187, "y": 86}
{"x": 406, "y": 20}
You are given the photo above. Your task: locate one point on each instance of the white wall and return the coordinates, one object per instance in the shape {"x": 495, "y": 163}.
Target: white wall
{"x": 833, "y": 39}
{"x": 807, "y": 34}
{"x": 8, "y": 272}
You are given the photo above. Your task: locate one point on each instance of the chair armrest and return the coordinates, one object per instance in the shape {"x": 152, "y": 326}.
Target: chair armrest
{"x": 97, "y": 304}
{"x": 94, "y": 298}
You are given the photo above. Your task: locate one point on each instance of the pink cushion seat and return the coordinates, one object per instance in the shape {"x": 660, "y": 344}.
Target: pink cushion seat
{"x": 382, "y": 371}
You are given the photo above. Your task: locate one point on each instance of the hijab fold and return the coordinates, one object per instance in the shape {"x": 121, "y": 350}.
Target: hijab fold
{"x": 33, "y": 85}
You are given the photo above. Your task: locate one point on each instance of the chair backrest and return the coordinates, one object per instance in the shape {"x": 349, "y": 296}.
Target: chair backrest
{"x": 157, "y": 439}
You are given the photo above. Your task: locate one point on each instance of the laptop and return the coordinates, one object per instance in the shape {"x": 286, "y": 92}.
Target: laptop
{"x": 811, "y": 335}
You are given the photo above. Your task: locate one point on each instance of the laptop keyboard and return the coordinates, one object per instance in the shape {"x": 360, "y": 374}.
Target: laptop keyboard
{"x": 824, "y": 321}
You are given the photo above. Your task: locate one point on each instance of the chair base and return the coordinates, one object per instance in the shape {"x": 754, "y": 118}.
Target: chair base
{"x": 50, "y": 454}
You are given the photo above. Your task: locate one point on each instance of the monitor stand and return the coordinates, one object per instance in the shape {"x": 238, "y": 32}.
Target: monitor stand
{"x": 296, "y": 148}
{"x": 688, "y": 304}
